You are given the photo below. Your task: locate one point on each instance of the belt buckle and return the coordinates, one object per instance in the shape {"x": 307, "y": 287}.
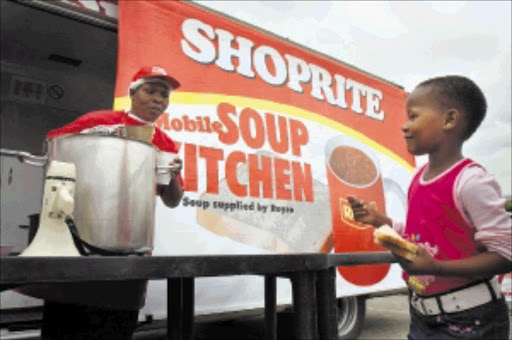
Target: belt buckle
{"x": 422, "y": 302}
{"x": 418, "y": 302}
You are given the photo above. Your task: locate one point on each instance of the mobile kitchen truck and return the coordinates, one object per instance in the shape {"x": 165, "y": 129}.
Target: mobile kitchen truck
{"x": 273, "y": 135}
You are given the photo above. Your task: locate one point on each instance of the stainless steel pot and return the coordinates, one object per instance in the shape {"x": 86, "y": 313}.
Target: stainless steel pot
{"x": 115, "y": 188}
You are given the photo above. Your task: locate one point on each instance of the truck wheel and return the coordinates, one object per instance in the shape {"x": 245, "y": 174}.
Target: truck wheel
{"x": 351, "y": 312}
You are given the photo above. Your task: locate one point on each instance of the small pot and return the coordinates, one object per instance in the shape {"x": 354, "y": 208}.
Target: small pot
{"x": 142, "y": 133}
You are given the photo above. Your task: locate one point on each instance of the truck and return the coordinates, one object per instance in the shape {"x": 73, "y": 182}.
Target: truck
{"x": 274, "y": 136}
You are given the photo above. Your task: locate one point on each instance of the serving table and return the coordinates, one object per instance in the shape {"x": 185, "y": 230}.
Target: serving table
{"x": 312, "y": 277}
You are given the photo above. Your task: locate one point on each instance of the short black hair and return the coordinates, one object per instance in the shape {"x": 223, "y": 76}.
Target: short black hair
{"x": 463, "y": 94}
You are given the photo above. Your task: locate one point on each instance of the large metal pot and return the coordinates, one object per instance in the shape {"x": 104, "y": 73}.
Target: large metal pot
{"x": 115, "y": 188}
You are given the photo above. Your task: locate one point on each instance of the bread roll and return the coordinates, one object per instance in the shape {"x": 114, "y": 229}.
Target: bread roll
{"x": 399, "y": 251}
{"x": 417, "y": 285}
{"x": 389, "y": 238}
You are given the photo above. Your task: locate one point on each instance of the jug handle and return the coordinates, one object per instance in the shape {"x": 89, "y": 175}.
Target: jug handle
{"x": 25, "y": 157}
{"x": 163, "y": 169}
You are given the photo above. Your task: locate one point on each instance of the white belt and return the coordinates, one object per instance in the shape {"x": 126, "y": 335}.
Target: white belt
{"x": 459, "y": 300}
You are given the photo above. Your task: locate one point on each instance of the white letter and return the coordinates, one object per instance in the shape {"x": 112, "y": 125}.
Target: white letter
{"x": 373, "y": 98}
{"x": 321, "y": 80}
{"x": 340, "y": 87}
{"x": 260, "y": 63}
{"x": 298, "y": 72}
{"x": 357, "y": 91}
{"x": 227, "y": 52}
{"x": 206, "y": 49}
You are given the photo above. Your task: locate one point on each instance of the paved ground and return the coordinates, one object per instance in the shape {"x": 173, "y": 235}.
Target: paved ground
{"x": 386, "y": 318}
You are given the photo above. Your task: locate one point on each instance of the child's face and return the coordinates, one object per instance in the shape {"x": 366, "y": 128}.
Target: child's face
{"x": 423, "y": 130}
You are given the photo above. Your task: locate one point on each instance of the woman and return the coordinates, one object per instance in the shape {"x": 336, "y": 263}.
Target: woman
{"x": 95, "y": 310}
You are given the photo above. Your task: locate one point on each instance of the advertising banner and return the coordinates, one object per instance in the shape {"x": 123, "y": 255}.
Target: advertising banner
{"x": 273, "y": 136}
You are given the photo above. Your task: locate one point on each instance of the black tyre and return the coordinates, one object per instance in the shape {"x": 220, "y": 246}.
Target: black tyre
{"x": 351, "y": 312}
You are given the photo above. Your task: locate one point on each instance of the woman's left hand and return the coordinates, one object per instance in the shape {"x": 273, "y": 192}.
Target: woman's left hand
{"x": 423, "y": 263}
{"x": 177, "y": 165}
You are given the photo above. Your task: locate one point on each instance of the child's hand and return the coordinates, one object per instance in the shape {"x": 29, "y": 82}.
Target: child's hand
{"x": 365, "y": 212}
{"x": 423, "y": 263}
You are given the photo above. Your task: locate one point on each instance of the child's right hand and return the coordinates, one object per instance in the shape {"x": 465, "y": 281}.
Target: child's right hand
{"x": 365, "y": 212}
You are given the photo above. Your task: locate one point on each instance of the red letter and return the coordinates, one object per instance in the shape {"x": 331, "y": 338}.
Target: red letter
{"x": 302, "y": 182}
{"x": 299, "y": 136}
{"x": 212, "y": 157}
{"x": 163, "y": 120}
{"x": 217, "y": 127}
{"x": 231, "y": 175}
{"x": 246, "y": 116}
{"x": 282, "y": 179}
{"x": 200, "y": 124}
{"x": 190, "y": 125}
{"x": 280, "y": 146}
{"x": 190, "y": 167}
{"x": 231, "y": 135}
{"x": 176, "y": 124}
{"x": 263, "y": 176}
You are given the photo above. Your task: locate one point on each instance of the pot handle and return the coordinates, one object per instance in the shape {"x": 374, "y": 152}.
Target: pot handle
{"x": 25, "y": 157}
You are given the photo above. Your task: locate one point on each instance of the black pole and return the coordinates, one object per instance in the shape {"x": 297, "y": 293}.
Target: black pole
{"x": 270, "y": 308}
{"x": 326, "y": 298}
{"x": 304, "y": 305}
{"x": 188, "y": 308}
{"x": 174, "y": 309}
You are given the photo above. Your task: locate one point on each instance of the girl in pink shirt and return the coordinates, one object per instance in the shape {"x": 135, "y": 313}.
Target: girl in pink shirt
{"x": 455, "y": 214}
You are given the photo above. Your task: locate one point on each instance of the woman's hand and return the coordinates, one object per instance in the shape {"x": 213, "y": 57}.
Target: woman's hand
{"x": 365, "y": 212}
{"x": 172, "y": 193}
{"x": 177, "y": 165}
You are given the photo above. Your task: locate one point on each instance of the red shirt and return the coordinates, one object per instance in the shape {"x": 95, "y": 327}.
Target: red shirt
{"x": 109, "y": 118}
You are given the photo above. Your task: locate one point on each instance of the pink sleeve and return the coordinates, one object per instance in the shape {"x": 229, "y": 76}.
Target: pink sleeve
{"x": 478, "y": 198}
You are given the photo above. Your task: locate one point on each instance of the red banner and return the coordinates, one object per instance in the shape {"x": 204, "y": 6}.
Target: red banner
{"x": 185, "y": 40}
{"x": 273, "y": 136}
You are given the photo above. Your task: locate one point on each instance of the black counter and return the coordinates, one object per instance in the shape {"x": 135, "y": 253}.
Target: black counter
{"x": 312, "y": 276}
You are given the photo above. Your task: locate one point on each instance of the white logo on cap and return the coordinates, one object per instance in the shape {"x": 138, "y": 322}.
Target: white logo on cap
{"x": 157, "y": 69}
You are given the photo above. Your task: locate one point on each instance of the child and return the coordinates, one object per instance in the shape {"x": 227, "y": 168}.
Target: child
{"x": 456, "y": 214}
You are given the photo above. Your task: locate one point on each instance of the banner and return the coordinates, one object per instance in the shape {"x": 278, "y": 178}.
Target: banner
{"x": 274, "y": 137}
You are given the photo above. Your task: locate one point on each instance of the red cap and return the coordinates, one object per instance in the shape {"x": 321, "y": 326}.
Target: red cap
{"x": 153, "y": 74}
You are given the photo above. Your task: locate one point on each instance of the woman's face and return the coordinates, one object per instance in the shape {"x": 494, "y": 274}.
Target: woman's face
{"x": 150, "y": 100}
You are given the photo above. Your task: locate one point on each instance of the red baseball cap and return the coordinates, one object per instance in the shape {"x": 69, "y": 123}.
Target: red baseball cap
{"x": 151, "y": 74}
